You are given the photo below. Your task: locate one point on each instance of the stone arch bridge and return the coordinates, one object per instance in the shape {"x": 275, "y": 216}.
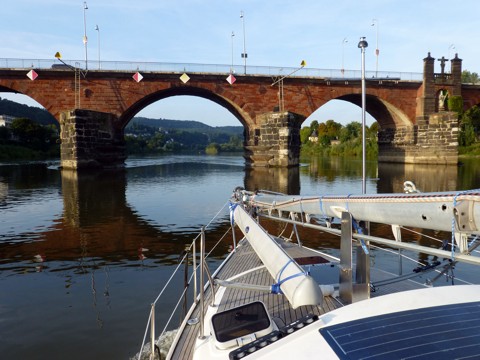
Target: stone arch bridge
{"x": 94, "y": 107}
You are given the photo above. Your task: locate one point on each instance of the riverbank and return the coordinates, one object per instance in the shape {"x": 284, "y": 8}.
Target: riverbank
{"x": 16, "y": 152}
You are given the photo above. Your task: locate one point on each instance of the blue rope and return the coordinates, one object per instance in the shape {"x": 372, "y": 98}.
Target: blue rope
{"x": 275, "y": 289}
{"x": 232, "y": 207}
{"x": 321, "y": 206}
{"x": 359, "y": 230}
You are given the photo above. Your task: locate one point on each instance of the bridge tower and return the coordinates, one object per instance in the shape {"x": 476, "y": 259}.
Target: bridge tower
{"x": 433, "y": 138}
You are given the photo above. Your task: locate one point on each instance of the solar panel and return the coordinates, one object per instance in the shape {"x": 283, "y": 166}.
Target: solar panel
{"x": 440, "y": 332}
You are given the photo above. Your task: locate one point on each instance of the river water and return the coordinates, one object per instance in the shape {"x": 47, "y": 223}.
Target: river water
{"x": 83, "y": 256}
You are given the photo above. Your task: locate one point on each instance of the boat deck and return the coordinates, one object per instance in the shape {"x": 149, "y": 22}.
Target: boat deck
{"x": 277, "y": 305}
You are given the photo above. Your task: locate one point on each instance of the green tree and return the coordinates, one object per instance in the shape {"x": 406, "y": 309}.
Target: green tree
{"x": 455, "y": 103}
{"x": 469, "y": 126}
{"x": 469, "y": 77}
{"x": 467, "y": 135}
{"x": 32, "y": 134}
{"x": 472, "y": 117}
{"x": 5, "y": 134}
{"x": 372, "y": 131}
{"x": 351, "y": 131}
{"x": 328, "y": 131}
{"x": 212, "y": 149}
{"x": 156, "y": 142}
{"x": 305, "y": 133}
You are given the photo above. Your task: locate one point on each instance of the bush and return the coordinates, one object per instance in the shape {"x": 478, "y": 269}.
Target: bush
{"x": 455, "y": 103}
{"x": 211, "y": 149}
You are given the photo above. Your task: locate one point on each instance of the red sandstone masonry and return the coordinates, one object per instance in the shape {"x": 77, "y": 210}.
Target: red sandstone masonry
{"x": 119, "y": 94}
{"x": 397, "y": 105}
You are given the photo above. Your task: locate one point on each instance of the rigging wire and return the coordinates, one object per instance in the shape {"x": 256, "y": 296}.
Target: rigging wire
{"x": 175, "y": 272}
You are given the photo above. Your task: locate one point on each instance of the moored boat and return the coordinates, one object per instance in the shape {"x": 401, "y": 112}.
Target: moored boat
{"x": 273, "y": 297}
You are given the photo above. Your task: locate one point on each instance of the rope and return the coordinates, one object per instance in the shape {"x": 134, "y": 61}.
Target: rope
{"x": 359, "y": 230}
{"x": 321, "y": 206}
{"x": 145, "y": 335}
{"x": 232, "y": 207}
{"x": 453, "y": 218}
{"x": 421, "y": 234}
{"x": 276, "y": 288}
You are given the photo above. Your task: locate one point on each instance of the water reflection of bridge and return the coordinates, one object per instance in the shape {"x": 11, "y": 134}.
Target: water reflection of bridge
{"x": 98, "y": 222}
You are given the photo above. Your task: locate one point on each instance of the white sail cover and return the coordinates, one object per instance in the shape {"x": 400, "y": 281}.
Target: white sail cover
{"x": 299, "y": 288}
{"x": 436, "y": 211}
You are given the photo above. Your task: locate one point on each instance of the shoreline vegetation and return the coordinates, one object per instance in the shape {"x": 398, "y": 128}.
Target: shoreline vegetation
{"x": 37, "y": 137}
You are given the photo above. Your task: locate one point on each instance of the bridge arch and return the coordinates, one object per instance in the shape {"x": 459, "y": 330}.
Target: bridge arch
{"x": 224, "y": 101}
{"x": 386, "y": 114}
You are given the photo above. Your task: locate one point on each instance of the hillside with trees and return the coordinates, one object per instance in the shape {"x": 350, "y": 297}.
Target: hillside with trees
{"x": 334, "y": 139}
{"x": 34, "y": 134}
{"x": 38, "y": 115}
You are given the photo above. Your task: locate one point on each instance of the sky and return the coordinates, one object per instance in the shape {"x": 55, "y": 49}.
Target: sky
{"x": 277, "y": 33}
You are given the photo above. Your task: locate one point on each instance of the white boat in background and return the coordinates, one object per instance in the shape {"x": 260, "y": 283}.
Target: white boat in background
{"x": 274, "y": 298}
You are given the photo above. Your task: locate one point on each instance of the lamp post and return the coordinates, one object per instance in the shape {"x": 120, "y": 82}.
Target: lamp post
{"x": 244, "y": 54}
{"x": 343, "y": 53}
{"x": 377, "y": 51}
{"x": 363, "y": 45}
{"x": 231, "y": 68}
{"x": 98, "y": 30}
{"x": 85, "y": 40}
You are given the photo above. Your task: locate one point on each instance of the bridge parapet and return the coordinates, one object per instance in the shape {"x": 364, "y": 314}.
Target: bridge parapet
{"x": 180, "y": 68}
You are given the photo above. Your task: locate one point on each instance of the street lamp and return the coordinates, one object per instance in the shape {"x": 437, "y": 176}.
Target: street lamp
{"x": 363, "y": 45}
{"x": 377, "y": 51}
{"x": 244, "y": 54}
{"x": 85, "y": 40}
{"x": 231, "y": 69}
{"x": 343, "y": 53}
{"x": 98, "y": 29}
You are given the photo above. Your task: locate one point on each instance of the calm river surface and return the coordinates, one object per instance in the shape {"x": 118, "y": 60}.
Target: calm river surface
{"x": 83, "y": 257}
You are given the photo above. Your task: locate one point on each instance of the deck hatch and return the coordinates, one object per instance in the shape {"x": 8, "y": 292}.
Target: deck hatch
{"x": 440, "y": 332}
{"x": 242, "y": 321}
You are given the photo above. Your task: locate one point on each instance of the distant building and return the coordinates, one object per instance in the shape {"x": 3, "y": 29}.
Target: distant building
{"x": 313, "y": 137}
{"x": 6, "y": 120}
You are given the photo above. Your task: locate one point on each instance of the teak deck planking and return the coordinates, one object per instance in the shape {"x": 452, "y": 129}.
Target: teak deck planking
{"x": 277, "y": 305}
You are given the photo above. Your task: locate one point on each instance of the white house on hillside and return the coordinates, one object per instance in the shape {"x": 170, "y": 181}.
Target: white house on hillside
{"x": 6, "y": 120}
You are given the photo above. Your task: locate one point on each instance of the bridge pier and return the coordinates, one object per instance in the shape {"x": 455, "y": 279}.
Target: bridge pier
{"x": 275, "y": 142}
{"x": 89, "y": 198}
{"x": 279, "y": 179}
{"x": 433, "y": 140}
{"x": 91, "y": 139}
